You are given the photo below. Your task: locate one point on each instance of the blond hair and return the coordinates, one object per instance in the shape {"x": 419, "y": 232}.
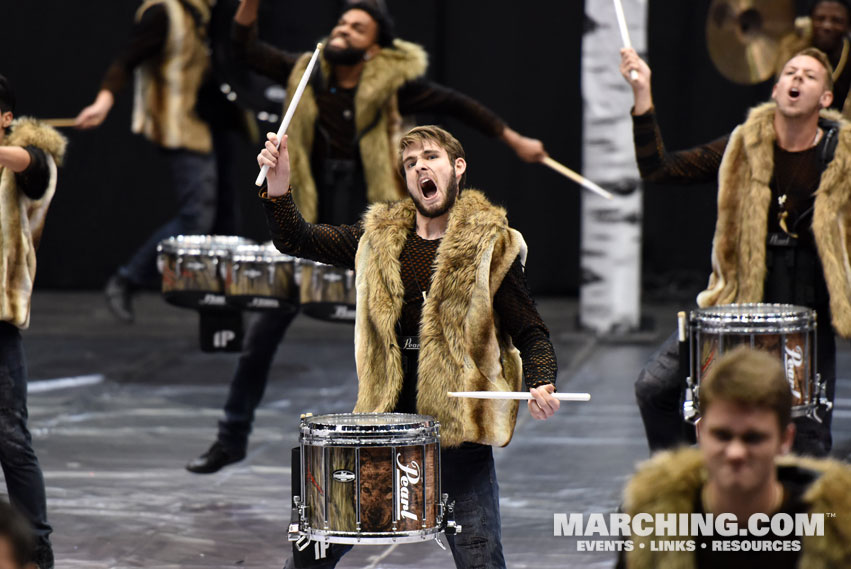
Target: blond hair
{"x": 822, "y": 58}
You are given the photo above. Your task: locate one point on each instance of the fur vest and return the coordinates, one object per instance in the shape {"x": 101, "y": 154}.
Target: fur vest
{"x": 22, "y": 221}
{"x": 461, "y": 345}
{"x": 802, "y": 38}
{"x": 377, "y": 123}
{"x": 744, "y": 198}
{"x": 167, "y": 86}
{"x": 670, "y": 482}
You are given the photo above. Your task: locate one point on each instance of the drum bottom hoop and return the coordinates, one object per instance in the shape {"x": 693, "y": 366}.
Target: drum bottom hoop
{"x": 195, "y": 299}
{"x": 261, "y": 303}
{"x": 372, "y": 538}
{"x": 330, "y": 311}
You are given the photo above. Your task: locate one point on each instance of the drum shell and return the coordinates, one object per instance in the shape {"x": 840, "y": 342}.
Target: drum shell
{"x": 260, "y": 280}
{"x": 784, "y": 331}
{"x": 190, "y": 267}
{"x": 366, "y": 486}
{"x": 327, "y": 292}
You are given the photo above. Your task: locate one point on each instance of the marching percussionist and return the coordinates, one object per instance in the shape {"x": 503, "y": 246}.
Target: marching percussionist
{"x": 826, "y": 28}
{"x": 344, "y": 130}
{"x": 783, "y": 227}
{"x": 442, "y": 302}
{"x": 739, "y": 472}
{"x": 29, "y": 154}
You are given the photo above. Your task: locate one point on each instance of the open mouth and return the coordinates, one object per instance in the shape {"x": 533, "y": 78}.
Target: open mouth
{"x": 428, "y": 187}
{"x": 794, "y": 93}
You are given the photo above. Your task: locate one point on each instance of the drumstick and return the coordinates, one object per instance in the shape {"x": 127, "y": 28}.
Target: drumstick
{"x": 633, "y": 74}
{"x": 291, "y": 109}
{"x": 581, "y": 180}
{"x": 517, "y": 395}
{"x": 59, "y": 123}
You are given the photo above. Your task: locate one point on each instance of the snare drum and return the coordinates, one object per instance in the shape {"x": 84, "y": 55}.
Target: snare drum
{"x": 259, "y": 277}
{"x": 783, "y": 330}
{"x": 370, "y": 478}
{"x": 327, "y": 292}
{"x": 190, "y": 265}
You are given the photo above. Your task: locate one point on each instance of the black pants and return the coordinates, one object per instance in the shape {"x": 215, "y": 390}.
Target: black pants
{"x": 24, "y": 480}
{"x": 661, "y": 384}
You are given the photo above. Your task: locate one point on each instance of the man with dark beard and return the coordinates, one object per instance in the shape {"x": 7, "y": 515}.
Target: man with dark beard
{"x": 344, "y": 133}
{"x": 439, "y": 266}
{"x": 826, "y": 28}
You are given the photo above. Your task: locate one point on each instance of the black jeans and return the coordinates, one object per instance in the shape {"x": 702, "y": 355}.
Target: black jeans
{"x": 469, "y": 477}
{"x": 265, "y": 332}
{"x": 24, "y": 480}
{"x": 661, "y": 384}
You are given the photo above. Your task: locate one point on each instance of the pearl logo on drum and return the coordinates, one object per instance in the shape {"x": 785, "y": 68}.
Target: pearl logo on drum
{"x": 344, "y": 476}
{"x": 794, "y": 359}
{"x": 406, "y": 476}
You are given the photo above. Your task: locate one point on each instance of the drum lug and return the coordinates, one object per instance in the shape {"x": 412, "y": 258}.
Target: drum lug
{"x": 446, "y": 516}
{"x": 690, "y": 412}
{"x": 298, "y": 519}
{"x": 822, "y": 399}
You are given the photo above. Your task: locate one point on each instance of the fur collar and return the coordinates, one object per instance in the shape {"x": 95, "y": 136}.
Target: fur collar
{"x": 27, "y": 131}
{"x": 670, "y": 482}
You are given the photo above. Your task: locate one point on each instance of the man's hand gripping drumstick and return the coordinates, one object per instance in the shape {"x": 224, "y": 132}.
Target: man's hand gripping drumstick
{"x": 543, "y": 405}
{"x": 637, "y": 74}
{"x": 278, "y": 161}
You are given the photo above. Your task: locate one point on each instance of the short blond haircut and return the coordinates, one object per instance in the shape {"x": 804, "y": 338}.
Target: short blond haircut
{"x": 441, "y": 137}
{"x": 750, "y": 378}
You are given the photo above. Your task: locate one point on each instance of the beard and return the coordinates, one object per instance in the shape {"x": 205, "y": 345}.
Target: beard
{"x": 440, "y": 208}
{"x": 344, "y": 55}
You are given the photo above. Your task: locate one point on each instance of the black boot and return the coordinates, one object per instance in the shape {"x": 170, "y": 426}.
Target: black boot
{"x": 119, "y": 297}
{"x": 215, "y": 459}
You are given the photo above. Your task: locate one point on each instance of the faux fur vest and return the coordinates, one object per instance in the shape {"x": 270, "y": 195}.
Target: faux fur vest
{"x": 376, "y": 115}
{"x": 744, "y": 198}
{"x": 22, "y": 221}
{"x": 670, "y": 482}
{"x": 461, "y": 345}
{"x": 166, "y": 89}
{"x": 802, "y": 38}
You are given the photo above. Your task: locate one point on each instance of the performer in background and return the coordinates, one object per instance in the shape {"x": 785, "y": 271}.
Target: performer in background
{"x": 442, "y": 303}
{"x": 784, "y": 212}
{"x": 179, "y": 109}
{"x": 29, "y": 155}
{"x": 344, "y": 131}
{"x": 16, "y": 540}
{"x": 826, "y": 28}
{"x": 745, "y": 428}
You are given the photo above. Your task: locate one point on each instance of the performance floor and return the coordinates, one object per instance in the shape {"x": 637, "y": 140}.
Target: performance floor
{"x": 144, "y": 400}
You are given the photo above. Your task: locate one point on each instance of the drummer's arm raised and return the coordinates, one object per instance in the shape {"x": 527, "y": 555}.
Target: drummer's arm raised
{"x": 260, "y": 56}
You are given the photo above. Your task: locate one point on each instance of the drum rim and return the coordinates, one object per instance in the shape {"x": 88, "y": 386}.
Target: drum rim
{"x": 202, "y": 244}
{"x": 312, "y": 423}
{"x": 372, "y": 538}
{"x": 783, "y": 313}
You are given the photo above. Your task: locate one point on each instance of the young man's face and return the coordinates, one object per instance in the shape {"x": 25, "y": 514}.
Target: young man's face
{"x": 801, "y": 89}
{"x": 739, "y": 445}
{"x": 830, "y": 25}
{"x": 7, "y": 556}
{"x": 432, "y": 179}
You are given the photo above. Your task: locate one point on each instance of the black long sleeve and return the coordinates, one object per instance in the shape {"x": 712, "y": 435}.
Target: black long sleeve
{"x": 147, "y": 39}
{"x": 33, "y": 180}
{"x": 697, "y": 165}
{"x": 266, "y": 59}
{"x": 424, "y": 96}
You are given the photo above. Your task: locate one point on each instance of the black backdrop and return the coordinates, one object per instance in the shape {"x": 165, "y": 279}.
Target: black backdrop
{"x": 521, "y": 59}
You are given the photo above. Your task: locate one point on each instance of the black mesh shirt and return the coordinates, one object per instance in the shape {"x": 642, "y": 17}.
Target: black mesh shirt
{"x": 337, "y": 245}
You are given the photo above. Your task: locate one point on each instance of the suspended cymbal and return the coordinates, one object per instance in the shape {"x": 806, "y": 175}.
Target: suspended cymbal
{"x": 743, "y": 36}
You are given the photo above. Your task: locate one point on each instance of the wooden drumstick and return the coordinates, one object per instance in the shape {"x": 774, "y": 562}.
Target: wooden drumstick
{"x": 291, "y": 109}
{"x": 59, "y": 123}
{"x": 579, "y": 179}
{"x": 633, "y": 74}
{"x": 517, "y": 395}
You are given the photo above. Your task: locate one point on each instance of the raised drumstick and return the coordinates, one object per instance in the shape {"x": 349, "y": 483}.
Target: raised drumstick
{"x": 59, "y": 123}
{"x": 291, "y": 109}
{"x": 517, "y": 395}
{"x": 579, "y": 179}
{"x": 633, "y": 74}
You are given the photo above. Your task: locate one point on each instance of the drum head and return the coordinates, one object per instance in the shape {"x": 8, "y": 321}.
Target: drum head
{"x": 753, "y": 317}
{"x": 369, "y": 421}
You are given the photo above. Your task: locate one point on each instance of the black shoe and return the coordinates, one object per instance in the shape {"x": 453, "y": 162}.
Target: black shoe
{"x": 43, "y": 557}
{"x": 214, "y": 459}
{"x": 119, "y": 297}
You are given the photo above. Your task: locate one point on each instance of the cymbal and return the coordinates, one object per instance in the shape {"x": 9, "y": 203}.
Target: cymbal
{"x": 743, "y": 37}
